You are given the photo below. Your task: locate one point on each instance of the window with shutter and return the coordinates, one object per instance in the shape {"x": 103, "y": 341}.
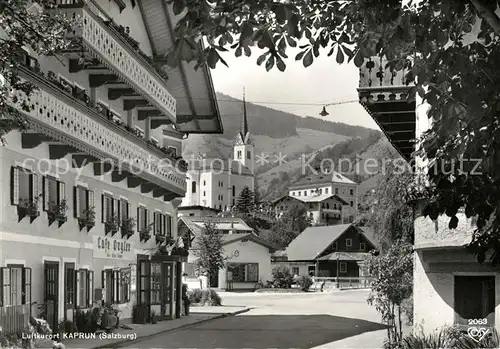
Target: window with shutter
{"x": 5, "y": 291}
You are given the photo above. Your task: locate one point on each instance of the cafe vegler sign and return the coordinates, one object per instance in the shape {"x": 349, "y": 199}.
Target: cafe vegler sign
{"x": 110, "y": 248}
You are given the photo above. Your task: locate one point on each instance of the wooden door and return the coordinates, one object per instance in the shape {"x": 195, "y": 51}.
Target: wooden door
{"x": 51, "y": 294}
{"x": 69, "y": 291}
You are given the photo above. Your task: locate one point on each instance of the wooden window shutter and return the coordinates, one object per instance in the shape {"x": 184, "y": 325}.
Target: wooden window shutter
{"x": 117, "y": 209}
{"x": 154, "y": 222}
{"x": 169, "y": 225}
{"x": 128, "y": 209}
{"x": 15, "y": 185}
{"x": 146, "y": 217}
{"x": 103, "y": 281}
{"x": 164, "y": 226}
{"x": 77, "y": 287}
{"x": 90, "y": 200}
{"x": 45, "y": 193}
{"x": 76, "y": 201}
{"x": 1, "y": 286}
{"x": 90, "y": 288}
{"x": 34, "y": 179}
{"x": 104, "y": 208}
{"x": 26, "y": 286}
{"x": 139, "y": 219}
{"x": 62, "y": 192}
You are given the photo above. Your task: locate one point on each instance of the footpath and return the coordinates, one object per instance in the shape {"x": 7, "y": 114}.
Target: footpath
{"x": 122, "y": 336}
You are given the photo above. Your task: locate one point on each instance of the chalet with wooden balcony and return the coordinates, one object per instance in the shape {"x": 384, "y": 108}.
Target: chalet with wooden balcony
{"x": 90, "y": 188}
{"x": 450, "y": 287}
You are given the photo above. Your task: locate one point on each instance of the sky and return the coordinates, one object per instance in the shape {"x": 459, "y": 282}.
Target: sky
{"x": 298, "y": 90}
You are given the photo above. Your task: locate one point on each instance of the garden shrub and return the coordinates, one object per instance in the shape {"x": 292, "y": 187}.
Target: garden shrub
{"x": 210, "y": 298}
{"x": 305, "y": 282}
{"x": 195, "y": 295}
{"x": 204, "y": 297}
{"x": 450, "y": 337}
{"x": 282, "y": 277}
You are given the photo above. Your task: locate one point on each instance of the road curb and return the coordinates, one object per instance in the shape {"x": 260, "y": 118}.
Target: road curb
{"x": 220, "y": 316}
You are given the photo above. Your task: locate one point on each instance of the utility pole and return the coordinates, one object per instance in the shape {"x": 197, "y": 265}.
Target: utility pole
{"x": 338, "y": 270}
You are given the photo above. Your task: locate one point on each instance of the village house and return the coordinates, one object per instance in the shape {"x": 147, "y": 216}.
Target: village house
{"x": 93, "y": 186}
{"x": 322, "y": 209}
{"x": 327, "y": 184}
{"x": 450, "y": 286}
{"x": 248, "y": 256}
{"x": 329, "y": 251}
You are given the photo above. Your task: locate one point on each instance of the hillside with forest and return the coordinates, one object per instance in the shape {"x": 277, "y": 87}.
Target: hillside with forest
{"x": 301, "y": 140}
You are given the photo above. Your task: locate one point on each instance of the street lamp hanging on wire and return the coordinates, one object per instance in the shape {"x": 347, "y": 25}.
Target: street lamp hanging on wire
{"x": 325, "y": 113}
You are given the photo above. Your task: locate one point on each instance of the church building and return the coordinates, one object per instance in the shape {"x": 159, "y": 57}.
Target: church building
{"x": 217, "y": 183}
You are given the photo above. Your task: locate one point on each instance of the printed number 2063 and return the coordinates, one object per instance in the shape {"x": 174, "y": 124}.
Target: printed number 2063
{"x": 472, "y": 322}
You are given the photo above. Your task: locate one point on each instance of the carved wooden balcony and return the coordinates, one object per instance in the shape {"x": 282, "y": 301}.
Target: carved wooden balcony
{"x": 117, "y": 54}
{"x": 385, "y": 96}
{"x": 64, "y": 119}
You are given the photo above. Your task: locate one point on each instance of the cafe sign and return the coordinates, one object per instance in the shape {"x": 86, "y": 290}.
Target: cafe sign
{"x": 110, "y": 248}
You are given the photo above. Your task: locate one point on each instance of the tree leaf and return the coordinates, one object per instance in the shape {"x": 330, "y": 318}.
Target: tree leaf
{"x": 238, "y": 51}
{"x": 358, "y": 59}
{"x": 340, "y": 55}
{"x": 281, "y": 65}
{"x": 261, "y": 59}
{"x": 291, "y": 41}
{"x": 178, "y": 7}
{"x": 348, "y": 52}
{"x": 270, "y": 63}
{"x": 281, "y": 14}
{"x": 299, "y": 56}
{"x": 247, "y": 50}
{"x": 213, "y": 58}
{"x": 308, "y": 59}
{"x": 246, "y": 32}
{"x": 453, "y": 222}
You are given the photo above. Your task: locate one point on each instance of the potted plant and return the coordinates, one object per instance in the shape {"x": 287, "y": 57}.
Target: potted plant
{"x": 145, "y": 234}
{"x": 29, "y": 207}
{"x": 160, "y": 238}
{"x": 112, "y": 224}
{"x": 140, "y": 313}
{"x": 128, "y": 225}
{"x": 88, "y": 218}
{"x": 154, "y": 318}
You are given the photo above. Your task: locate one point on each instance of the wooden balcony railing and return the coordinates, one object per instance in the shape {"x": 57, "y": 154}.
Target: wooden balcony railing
{"x": 120, "y": 56}
{"x": 13, "y": 319}
{"x": 342, "y": 282}
{"x": 378, "y": 83}
{"x": 62, "y": 117}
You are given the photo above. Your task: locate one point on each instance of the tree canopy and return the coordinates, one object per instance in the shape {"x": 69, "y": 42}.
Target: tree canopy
{"x": 287, "y": 227}
{"x": 450, "y": 50}
{"x": 386, "y": 209}
{"x": 209, "y": 251}
{"x": 24, "y": 26}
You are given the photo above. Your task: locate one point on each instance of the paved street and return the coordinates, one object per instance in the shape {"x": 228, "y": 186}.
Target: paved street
{"x": 281, "y": 321}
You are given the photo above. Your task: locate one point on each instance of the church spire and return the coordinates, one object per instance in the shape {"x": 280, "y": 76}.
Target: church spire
{"x": 244, "y": 123}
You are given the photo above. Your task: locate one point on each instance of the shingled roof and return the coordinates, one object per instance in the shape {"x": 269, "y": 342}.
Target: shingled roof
{"x": 313, "y": 241}
{"x": 322, "y": 178}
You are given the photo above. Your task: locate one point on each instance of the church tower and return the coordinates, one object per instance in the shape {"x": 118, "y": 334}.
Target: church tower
{"x": 243, "y": 147}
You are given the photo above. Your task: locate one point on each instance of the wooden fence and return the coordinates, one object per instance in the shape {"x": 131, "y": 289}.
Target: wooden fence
{"x": 13, "y": 319}
{"x": 341, "y": 282}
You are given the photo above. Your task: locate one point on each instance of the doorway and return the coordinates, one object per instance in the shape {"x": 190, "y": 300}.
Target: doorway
{"x": 51, "y": 294}
{"x": 69, "y": 291}
{"x": 214, "y": 280}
